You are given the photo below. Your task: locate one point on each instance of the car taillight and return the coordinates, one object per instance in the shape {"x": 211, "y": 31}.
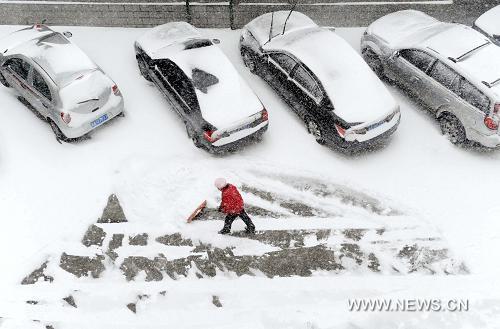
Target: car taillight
{"x": 116, "y": 91}
{"x": 208, "y": 135}
{"x": 66, "y": 117}
{"x": 340, "y": 130}
{"x": 264, "y": 115}
{"x": 491, "y": 123}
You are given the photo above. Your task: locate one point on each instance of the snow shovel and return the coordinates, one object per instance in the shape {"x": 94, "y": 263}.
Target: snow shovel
{"x": 197, "y": 211}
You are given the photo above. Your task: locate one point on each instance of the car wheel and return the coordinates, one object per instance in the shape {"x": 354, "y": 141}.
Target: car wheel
{"x": 452, "y": 128}
{"x": 314, "y": 129}
{"x": 4, "y": 81}
{"x": 142, "y": 68}
{"x": 249, "y": 60}
{"x": 193, "y": 136}
{"x": 373, "y": 61}
{"x": 59, "y": 134}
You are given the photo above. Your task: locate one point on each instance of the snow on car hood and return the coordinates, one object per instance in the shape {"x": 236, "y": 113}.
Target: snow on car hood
{"x": 357, "y": 93}
{"x": 14, "y": 39}
{"x": 92, "y": 89}
{"x": 226, "y": 101}
{"x": 261, "y": 26}
{"x": 489, "y": 22}
{"x": 165, "y": 35}
{"x": 398, "y": 26}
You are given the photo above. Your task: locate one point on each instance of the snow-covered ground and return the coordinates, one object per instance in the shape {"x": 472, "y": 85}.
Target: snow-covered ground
{"x": 51, "y": 193}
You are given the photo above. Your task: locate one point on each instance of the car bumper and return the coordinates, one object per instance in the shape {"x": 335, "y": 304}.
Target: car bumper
{"x": 85, "y": 126}
{"x": 356, "y": 146}
{"x": 238, "y": 139}
{"x": 375, "y": 132}
{"x": 491, "y": 141}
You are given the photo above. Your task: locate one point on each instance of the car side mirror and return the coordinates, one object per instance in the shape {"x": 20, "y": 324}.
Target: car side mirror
{"x": 216, "y": 41}
{"x": 67, "y": 34}
{"x": 394, "y": 55}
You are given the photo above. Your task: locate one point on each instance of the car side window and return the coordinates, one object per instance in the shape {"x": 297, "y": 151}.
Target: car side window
{"x": 40, "y": 85}
{"x": 474, "y": 96}
{"x": 446, "y": 76}
{"x": 19, "y": 66}
{"x": 419, "y": 59}
{"x": 181, "y": 84}
{"x": 286, "y": 62}
{"x": 304, "y": 78}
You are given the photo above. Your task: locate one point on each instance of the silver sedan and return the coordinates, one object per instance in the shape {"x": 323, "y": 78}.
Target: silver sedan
{"x": 451, "y": 68}
{"x": 58, "y": 80}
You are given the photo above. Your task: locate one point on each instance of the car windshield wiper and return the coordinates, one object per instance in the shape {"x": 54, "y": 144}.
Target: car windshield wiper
{"x": 459, "y": 58}
{"x": 491, "y": 84}
{"x": 88, "y": 100}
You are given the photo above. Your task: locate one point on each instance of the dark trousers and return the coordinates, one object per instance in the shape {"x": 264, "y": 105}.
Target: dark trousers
{"x": 231, "y": 217}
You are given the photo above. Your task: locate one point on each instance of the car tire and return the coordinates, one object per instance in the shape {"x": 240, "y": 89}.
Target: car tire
{"x": 142, "y": 68}
{"x": 59, "y": 134}
{"x": 4, "y": 81}
{"x": 452, "y": 128}
{"x": 193, "y": 136}
{"x": 373, "y": 61}
{"x": 250, "y": 60}
{"x": 314, "y": 129}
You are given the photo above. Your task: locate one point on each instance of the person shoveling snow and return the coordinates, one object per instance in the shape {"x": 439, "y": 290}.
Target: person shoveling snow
{"x": 232, "y": 205}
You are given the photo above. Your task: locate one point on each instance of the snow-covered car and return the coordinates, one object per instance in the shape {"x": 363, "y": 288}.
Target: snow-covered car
{"x": 451, "y": 68}
{"x": 217, "y": 106}
{"x": 57, "y": 79}
{"x": 489, "y": 24}
{"x": 323, "y": 79}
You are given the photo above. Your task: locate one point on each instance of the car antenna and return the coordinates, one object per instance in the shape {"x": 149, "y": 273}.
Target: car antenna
{"x": 271, "y": 27}
{"x": 289, "y": 14}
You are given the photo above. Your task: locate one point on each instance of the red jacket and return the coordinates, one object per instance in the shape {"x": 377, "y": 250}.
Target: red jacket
{"x": 232, "y": 202}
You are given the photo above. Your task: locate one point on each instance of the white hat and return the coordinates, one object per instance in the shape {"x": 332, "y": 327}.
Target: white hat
{"x": 220, "y": 183}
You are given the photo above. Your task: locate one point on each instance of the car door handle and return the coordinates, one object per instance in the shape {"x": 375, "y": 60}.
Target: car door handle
{"x": 447, "y": 100}
{"x": 415, "y": 79}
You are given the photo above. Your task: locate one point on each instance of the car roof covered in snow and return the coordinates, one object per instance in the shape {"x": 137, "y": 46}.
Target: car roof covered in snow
{"x": 454, "y": 40}
{"x": 489, "y": 22}
{"x": 483, "y": 66}
{"x": 51, "y": 51}
{"x": 261, "y": 26}
{"x": 159, "y": 37}
{"x": 356, "y": 92}
{"x": 224, "y": 97}
{"x": 480, "y": 56}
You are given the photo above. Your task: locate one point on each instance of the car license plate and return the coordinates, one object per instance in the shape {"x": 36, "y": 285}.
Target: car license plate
{"x": 99, "y": 120}
{"x": 376, "y": 125}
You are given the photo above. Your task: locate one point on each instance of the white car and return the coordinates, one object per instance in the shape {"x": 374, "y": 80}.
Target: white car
{"x": 57, "y": 79}
{"x": 324, "y": 80}
{"x": 489, "y": 24}
{"x": 217, "y": 106}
